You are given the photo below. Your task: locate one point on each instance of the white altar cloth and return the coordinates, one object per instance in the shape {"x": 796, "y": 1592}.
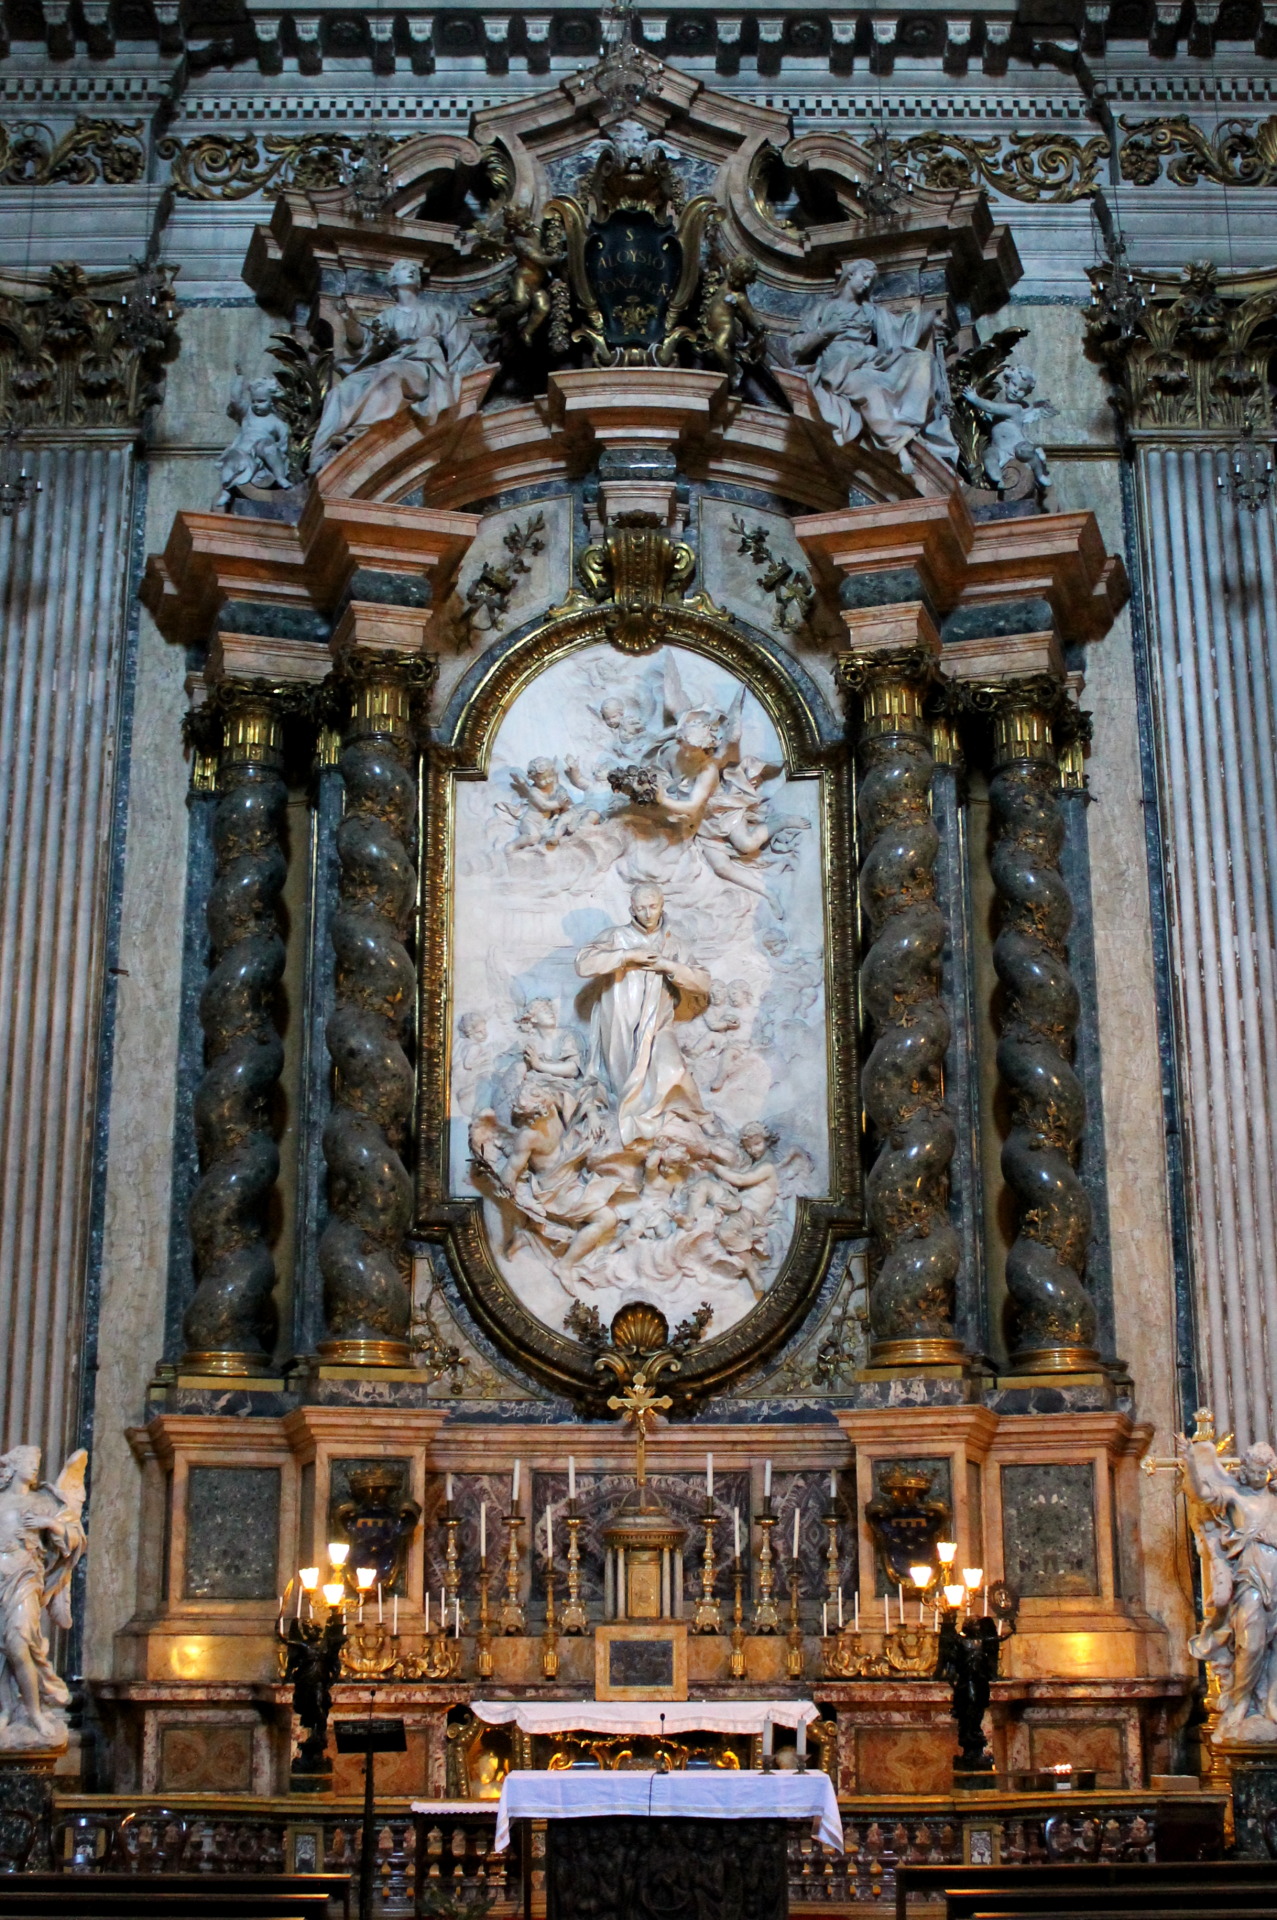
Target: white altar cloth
{"x": 655, "y": 1717}
{"x": 719, "y": 1793}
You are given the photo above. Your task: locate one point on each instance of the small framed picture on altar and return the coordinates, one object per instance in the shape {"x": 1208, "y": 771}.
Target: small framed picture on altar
{"x": 633, "y": 1662}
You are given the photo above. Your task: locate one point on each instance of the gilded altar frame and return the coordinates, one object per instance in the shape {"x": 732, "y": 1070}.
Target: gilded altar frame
{"x": 462, "y": 750}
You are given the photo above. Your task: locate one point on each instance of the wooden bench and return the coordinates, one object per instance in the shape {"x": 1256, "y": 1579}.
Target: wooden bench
{"x": 335, "y": 1887}
{"x": 933, "y": 1883}
{"x": 1078, "y": 1907}
{"x": 1220, "y": 1895}
{"x": 149, "y": 1893}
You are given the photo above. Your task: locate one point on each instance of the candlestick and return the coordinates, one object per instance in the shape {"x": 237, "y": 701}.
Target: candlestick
{"x": 574, "y": 1618}
{"x": 483, "y": 1661}
{"x": 737, "y": 1662}
{"x": 829, "y": 1520}
{"x": 766, "y": 1612}
{"x": 708, "y": 1617}
{"x": 550, "y": 1636}
{"x": 794, "y": 1638}
{"x": 451, "y": 1598}
{"x": 512, "y": 1615}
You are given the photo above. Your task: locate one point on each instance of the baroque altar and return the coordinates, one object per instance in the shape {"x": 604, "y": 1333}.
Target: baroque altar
{"x": 658, "y": 605}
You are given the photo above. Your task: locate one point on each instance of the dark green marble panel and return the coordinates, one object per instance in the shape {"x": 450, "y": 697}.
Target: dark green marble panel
{"x": 232, "y": 1533}
{"x": 1048, "y": 1529}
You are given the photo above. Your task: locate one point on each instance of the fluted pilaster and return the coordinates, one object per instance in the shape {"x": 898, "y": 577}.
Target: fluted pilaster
{"x": 917, "y": 1254}
{"x": 367, "y": 1296}
{"x": 1051, "y": 1315}
{"x": 231, "y": 1323}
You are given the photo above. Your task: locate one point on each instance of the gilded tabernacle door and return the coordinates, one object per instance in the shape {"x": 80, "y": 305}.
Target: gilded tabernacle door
{"x": 639, "y": 1044}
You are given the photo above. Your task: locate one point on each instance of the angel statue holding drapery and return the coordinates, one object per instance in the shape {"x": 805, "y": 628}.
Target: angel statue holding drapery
{"x": 41, "y": 1540}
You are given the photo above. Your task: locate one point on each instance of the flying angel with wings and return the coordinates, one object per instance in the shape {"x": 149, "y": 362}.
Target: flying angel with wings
{"x": 41, "y": 1541}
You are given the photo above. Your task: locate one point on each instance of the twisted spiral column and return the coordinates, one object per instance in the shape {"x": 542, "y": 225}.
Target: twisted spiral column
{"x": 1050, "y": 1313}
{"x": 231, "y": 1323}
{"x": 911, "y": 1298}
{"x": 367, "y": 1297}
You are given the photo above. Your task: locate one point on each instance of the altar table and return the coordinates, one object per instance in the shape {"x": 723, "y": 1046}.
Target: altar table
{"x": 709, "y": 1845}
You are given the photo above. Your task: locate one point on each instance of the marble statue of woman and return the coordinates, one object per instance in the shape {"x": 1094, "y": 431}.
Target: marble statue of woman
{"x": 411, "y": 354}
{"x": 871, "y": 371}
{"x": 41, "y": 1539}
{"x": 1234, "y": 1519}
{"x": 633, "y": 1046}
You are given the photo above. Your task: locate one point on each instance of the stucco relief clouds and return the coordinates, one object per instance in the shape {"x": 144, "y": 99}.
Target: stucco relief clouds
{"x": 639, "y": 1059}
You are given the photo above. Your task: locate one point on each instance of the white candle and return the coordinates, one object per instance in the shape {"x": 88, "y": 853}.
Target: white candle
{"x": 447, "y": 1488}
{"x": 443, "y": 1611}
{"x": 824, "y": 1619}
{"x": 300, "y": 1591}
{"x": 833, "y": 1484}
{"x": 886, "y": 1613}
{"x": 394, "y": 1617}
{"x": 901, "y": 1591}
{"x": 360, "y": 1615}
{"x": 736, "y": 1529}
{"x": 802, "y": 1739}
{"x": 709, "y": 1476}
{"x": 514, "y": 1487}
{"x": 796, "y": 1523}
{"x": 427, "y": 1609}
{"x": 549, "y": 1534}
{"x": 767, "y": 1738}
{"x": 767, "y": 1479}
{"x": 378, "y": 1603}
{"x": 857, "y": 1605}
{"x": 840, "y": 1609}
{"x": 483, "y": 1531}
{"x": 456, "y": 1619}
{"x": 571, "y": 1477}
{"x": 986, "y": 1600}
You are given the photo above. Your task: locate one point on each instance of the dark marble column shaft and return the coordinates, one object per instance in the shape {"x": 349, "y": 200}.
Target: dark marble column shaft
{"x": 1051, "y": 1315}
{"x": 362, "y": 1253}
{"x": 231, "y": 1323}
{"x": 916, "y": 1251}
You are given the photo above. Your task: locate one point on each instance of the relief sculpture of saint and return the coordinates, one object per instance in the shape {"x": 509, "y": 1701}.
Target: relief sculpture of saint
{"x": 639, "y": 1077}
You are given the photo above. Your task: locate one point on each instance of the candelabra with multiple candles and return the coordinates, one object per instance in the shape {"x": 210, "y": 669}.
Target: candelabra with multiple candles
{"x": 363, "y": 1624}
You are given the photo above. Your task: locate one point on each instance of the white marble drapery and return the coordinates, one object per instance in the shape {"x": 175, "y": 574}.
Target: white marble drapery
{"x": 63, "y": 565}
{"x": 1211, "y": 591}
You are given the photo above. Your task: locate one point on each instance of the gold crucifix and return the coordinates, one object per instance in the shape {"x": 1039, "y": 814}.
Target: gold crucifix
{"x": 641, "y": 1406}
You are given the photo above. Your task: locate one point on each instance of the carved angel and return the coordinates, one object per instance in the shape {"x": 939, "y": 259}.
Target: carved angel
{"x": 41, "y": 1541}
{"x": 1015, "y": 417}
{"x": 523, "y": 301}
{"x": 258, "y": 455}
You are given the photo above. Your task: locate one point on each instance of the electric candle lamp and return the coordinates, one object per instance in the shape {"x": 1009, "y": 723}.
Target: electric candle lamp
{"x": 309, "y": 1577}
{"x": 921, "y": 1577}
{"x": 972, "y": 1576}
{"x": 365, "y": 1577}
{"x": 333, "y": 1591}
{"x": 954, "y": 1596}
{"x": 947, "y": 1552}
{"x": 338, "y": 1553}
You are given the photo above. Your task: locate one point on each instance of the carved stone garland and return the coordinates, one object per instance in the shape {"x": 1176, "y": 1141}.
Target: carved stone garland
{"x": 911, "y": 1299}
{"x": 367, "y": 1298}
{"x": 1052, "y": 1317}
{"x": 231, "y": 1323}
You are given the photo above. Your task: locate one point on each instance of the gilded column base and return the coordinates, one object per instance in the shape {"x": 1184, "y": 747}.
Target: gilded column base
{"x": 365, "y": 1353}
{"x": 1055, "y": 1360}
{"x": 940, "y": 1352}
{"x": 220, "y": 1362}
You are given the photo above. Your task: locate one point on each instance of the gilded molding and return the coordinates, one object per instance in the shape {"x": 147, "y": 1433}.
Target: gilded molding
{"x": 86, "y": 354}
{"x": 1196, "y": 357}
{"x": 1242, "y": 153}
{"x": 462, "y": 751}
{"x": 224, "y": 166}
{"x": 1029, "y": 166}
{"x": 113, "y": 151}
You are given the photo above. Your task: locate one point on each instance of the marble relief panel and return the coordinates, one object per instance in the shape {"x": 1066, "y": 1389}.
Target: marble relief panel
{"x": 1048, "y": 1528}
{"x": 232, "y": 1533}
{"x": 639, "y": 1078}
{"x": 752, "y": 564}
{"x": 519, "y": 562}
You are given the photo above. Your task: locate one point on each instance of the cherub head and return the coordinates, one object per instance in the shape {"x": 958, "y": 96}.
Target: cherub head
{"x": 697, "y": 730}
{"x": 741, "y": 271}
{"x": 540, "y": 1015}
{"x": 1258, "y": 1465}
{"x": 756, "y": 1139}
{"x": 530, "y": 1104}
{"x": 738, "y": 994}
{"x": 543, "y": 774}
{"x": 1018, "y": 383}
{"x": 474, "y": 1026}
{"x": 262, "y": 394}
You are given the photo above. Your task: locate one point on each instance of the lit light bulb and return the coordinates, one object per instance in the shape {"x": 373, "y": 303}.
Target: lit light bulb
{"x": 309, "y": 1577}
{"x": 921, "y": 1577}
{"x": 973, "y": 1577}
{"x": 365, "y": 1576}
{"x": 947, "y": 1552}
{"x": 333, "y": 1591}
{"x": 954, "y": 1597}
{"x": 338, "y": 1552}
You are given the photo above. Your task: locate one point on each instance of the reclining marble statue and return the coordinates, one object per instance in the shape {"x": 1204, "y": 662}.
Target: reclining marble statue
{"x": 41, "y": 1540}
